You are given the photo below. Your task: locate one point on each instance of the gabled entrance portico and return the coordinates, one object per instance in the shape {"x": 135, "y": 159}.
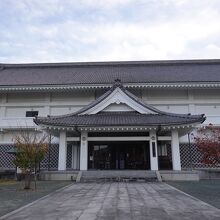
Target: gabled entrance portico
{"x": 88, "y": 156}
{"x": 117, "y": 132}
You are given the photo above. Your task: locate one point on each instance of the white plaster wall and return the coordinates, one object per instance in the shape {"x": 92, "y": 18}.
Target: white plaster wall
{"x": 8, "y": 136}
{"x": 164, "y": 94}
{"x": 59, "y": 110}
{"x": 74, "y": 97}
{"x": 118, "y": 107}
{"x": 195, "y": 101}
{"x": 25, "y": 97}
{"x": 16, "y": 104}
{"x": 182, "y": 109}
{"x": 210, "y": 109}
{"x": 211, "y": 94}
{"x": 21, "y": 111}
{"x": 179, "y": 101}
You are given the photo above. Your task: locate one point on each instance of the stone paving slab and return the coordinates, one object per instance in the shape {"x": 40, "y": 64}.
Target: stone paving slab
{"x": 13, "y": 195}
{"x": 205, "y": 190}
{"x": 88, "y": 201}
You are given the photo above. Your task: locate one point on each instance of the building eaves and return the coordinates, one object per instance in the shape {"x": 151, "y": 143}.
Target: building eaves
{"x": 182, "y": 73}
{"x": 112, "y": 63}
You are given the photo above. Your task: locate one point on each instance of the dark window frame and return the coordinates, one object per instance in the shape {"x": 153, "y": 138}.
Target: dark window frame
{"x": 31, "y": 113}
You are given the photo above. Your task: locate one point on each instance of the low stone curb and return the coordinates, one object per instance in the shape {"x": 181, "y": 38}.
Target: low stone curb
{"x": 32, "y": 203}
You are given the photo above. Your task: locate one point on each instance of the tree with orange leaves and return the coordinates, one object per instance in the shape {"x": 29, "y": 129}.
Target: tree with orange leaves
{"x": 207, "y": 141}
{"x": 31, "y": 149}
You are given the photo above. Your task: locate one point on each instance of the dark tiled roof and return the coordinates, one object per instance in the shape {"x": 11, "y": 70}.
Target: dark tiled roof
{"x": 107, "y": 72}
{"x": 119, "y": 119}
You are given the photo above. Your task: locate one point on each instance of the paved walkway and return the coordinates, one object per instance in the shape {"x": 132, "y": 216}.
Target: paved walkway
{"x": 90, "y": 201}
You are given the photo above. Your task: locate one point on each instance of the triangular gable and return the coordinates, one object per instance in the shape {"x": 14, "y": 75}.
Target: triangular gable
{"x": 118, "y": 108}
{"x": 120, "y": 96}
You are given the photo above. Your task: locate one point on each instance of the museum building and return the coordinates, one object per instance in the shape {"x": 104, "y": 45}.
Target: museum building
{"x": 134, "y": 115}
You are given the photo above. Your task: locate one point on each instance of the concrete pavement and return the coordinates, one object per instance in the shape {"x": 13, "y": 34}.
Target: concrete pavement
{"x": 88, "y": 201}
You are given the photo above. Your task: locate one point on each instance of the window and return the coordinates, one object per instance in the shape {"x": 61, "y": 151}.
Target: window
{"x": 31, "y": 113}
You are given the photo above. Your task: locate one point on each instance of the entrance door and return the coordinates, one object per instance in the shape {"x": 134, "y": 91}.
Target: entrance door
{"x": 164, "y": 155}
{"x": 132, "y": 155}
{"x": 120, "y": 159}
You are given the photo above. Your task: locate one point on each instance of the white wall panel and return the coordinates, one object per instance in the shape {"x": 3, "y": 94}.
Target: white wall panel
{"x": 25, "y": 97}
{"x": 182, "y": 109}
{"x": 21, "y": 111}
{"x": 118, "y": 107}
{"x": 76, "y": 97}
{"x": 2, "y": 112}
{"x": 215, "y": 120}
{"x": 206, "y": 94}
{"x": 205, "y": 101}
{"x": 184, "y": 139}
{"x": 8, "y": 137}
{"x": 208, "y": 109}
{"x": 56, "y": 110}
{"x": 167, "y": 94}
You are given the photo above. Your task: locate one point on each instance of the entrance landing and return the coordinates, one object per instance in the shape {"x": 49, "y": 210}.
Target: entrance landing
{"x": 118, "y": 175}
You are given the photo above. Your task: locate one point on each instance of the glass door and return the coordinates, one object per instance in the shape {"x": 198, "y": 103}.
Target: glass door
{"x": 132, "y": 155}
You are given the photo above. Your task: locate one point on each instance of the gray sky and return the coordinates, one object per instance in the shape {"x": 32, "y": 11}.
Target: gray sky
{"x": 108, "y": 30}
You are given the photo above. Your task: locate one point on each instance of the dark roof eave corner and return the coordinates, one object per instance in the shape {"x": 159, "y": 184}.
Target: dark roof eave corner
{"x": 36, "y": 120}
{"x": 2, "y": 66}
{"x": 203, "y": 118}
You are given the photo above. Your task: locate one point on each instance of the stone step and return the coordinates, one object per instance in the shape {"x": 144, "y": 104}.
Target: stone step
{"x": 118, "y": 176}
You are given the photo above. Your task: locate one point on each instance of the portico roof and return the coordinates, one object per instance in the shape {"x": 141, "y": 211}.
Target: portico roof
{"x": 142, "y": 114}
{"x": 120, "y": 119}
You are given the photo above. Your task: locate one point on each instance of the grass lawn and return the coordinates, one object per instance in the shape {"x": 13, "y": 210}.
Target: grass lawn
{"x": 205, "y": 190}
{"x": 12, "y": 195}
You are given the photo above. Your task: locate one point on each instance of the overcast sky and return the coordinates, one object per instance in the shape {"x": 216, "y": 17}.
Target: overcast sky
{"x": 107, "y": 30}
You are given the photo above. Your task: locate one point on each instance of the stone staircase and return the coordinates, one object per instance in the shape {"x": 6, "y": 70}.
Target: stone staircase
{"x": 118, "y": 176}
